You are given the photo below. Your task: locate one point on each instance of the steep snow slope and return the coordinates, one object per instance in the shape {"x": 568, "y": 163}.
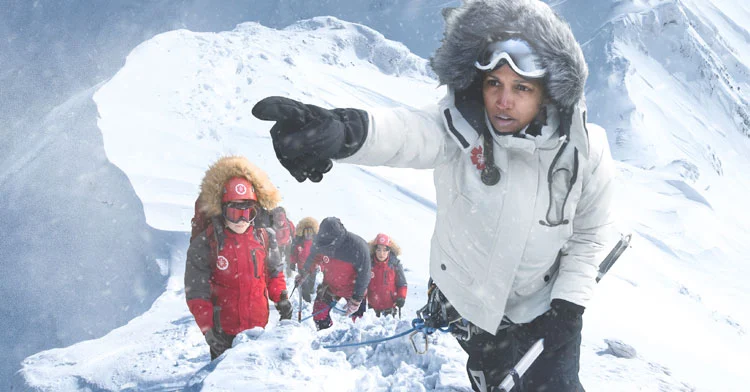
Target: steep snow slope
{"x": 192, "y": 94}
{"x": 53, "y": 56}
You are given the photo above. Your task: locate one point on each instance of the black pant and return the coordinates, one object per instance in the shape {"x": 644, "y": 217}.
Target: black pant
{"x": 492, "y": 357}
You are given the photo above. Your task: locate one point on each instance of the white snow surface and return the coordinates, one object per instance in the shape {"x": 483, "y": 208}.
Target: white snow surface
{"x": 183, "y": 99}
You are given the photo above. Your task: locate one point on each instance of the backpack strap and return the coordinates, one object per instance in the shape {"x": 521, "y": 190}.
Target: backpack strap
{"x": 261, "y": 235}
{"x": 215, "y": 232}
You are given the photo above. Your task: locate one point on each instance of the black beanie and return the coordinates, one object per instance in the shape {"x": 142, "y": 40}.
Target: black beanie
{"x": 331, "y": 230}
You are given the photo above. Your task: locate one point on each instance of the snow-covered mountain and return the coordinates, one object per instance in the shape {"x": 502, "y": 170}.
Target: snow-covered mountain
{"x": 677, "y": 296}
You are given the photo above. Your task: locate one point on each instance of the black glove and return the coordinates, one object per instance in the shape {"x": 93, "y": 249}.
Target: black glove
{"x": 211, "y": 338}
{"x": 400, "y": 302}
{"x": 284, "y": 306}
{"x": 559, "y": 325}
{"x": 307, "y": 137}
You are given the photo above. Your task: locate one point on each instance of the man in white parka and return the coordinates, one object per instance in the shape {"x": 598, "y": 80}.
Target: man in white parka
{"x": 524, "y": 184}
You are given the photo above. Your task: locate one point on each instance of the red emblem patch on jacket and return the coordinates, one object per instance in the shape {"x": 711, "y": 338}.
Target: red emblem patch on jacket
{"x": 222, "y": 263}
{"x": 477, "y": 157}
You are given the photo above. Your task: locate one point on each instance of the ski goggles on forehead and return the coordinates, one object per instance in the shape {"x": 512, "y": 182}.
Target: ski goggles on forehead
{"x": 517, "y": 53}
{"x": 238, "y": 212}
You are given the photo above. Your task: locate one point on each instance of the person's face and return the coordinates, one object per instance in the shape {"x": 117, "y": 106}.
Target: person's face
{"x": 381, "y": 252}
{"x": 239, "y": 215}
{"x": 239, "y": 227}
{"x": 279, "y": 219}
{"x": 308, "y": 233}
{"x": 511, "y": 101}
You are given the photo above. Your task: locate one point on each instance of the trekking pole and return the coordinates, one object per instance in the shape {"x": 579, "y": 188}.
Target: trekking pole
{"x": 521, "y": 367}
{"x": 299, "y": 310}
{"x": 296, "y": 284}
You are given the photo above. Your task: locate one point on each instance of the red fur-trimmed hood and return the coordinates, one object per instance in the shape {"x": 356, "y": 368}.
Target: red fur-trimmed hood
{"x": 212, "y": 186}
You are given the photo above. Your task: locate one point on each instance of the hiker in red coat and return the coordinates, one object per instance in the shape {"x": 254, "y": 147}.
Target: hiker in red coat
{"x": 285, "y": 232}
{"x": 233, "y": 267}
{"x": 386, "y": 293}
{"x": 343, "y": 257}
{"x": 307, "y": 228}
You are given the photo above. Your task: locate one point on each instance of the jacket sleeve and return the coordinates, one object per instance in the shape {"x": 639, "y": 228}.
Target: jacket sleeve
{"x": 593, "y": 225}
{"x": 400, "y": 280}
{"x": 404, "y": 137}
{"x": 294, "y": 254}
{"x": 308, "y": 270}
{"x": 274, "y": 263}
{"x": 275, "y": 279}
{"x": 198, "y": 269}
{"x": 275, "y": 284}
{"x": 310, "y": 262}
{"x": 363, "y": 267}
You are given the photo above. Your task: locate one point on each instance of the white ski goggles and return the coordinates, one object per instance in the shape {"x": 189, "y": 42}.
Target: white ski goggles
{"x": 517, "y": 53}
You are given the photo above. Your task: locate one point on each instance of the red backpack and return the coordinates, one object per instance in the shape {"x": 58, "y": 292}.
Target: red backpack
{"x": 199, "y": 222}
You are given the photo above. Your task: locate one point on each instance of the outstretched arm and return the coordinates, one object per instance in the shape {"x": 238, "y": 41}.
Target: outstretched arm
{"x": 404, "y": 138}
{"x": 306, "y": 138}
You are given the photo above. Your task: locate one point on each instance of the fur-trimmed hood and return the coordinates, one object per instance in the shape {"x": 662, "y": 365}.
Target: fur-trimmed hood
{"x": 476, "y": 23}
{"x": 212, "y": 186}
{"x": 306, "y": 223}
{"x": 395, "y": 249}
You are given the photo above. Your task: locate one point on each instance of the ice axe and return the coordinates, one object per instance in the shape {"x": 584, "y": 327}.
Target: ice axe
{"x": 514, "y": 377}
{"x": 613, "y": 255}
{"x": 299, "y": 305}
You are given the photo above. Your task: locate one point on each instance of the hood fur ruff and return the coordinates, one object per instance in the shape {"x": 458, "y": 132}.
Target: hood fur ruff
{"x": 470, "y": 27}
{"x": 394, "y": 247}
{"x": 212, "y": 186}
{"x": 304, "y": 223}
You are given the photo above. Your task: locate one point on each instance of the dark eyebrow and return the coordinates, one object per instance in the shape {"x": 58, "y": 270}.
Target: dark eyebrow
{"x": 520, "y": 80}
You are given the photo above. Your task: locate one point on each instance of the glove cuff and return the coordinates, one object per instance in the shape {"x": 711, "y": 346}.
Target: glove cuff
{"x": 355, "y": 122}
{"x": 567, "y": 307}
